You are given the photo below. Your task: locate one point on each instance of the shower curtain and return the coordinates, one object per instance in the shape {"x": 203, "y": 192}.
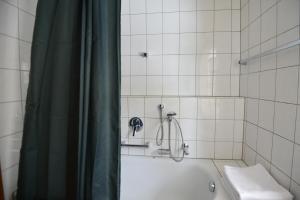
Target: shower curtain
{"x": 71, "y": 141}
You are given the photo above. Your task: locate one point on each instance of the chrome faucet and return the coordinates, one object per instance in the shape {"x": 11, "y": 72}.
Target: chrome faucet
{"x": 136, "y": 124}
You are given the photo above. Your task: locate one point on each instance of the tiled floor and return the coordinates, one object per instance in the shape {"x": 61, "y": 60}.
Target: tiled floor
{"x": 221, "y": 163}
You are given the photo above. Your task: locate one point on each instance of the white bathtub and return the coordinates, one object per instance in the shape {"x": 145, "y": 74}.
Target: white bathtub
{"x": 147, "y": 178}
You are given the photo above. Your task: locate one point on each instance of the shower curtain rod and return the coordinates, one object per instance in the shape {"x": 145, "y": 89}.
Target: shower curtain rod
{"x": 282, "y": 47}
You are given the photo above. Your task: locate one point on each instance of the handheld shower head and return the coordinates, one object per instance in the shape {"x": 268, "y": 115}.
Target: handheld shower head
{"x": 171, "y": 114}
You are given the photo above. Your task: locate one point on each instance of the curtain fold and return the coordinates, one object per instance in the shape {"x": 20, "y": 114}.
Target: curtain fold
{"x": 71, "y": 140}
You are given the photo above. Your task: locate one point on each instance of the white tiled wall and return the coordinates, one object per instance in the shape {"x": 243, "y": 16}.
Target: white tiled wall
{"x": 271, "y": 87}
{"x": 213, "y": 127}
{"x": 16, "y": 27}
{"x": 193, "y": 47}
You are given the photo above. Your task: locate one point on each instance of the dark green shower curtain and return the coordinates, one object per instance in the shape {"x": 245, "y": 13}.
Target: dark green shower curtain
{"x": 71, "y": 140}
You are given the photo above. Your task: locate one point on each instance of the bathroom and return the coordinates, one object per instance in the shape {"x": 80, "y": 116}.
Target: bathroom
{"x": 190, "y": 91}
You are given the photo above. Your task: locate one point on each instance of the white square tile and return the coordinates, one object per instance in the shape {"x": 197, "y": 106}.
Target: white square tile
{"x": 171, "y": 44}
{"x": 189, "y": 128}
{"x": 171, "y": 22}
{"x": 151, "y": 107}
{"x": 188, "y": 22}
{"x": 244, "y": 16}
{"x": 125, "y": 8}
{"x": 26, "y": 25}
{"x": 136, "y": 107}
{"x": 266, "y": 114}
{"x": 235, "y": 66}
{"x": 205, "y": 4}
{"x": 265, "y": 4}
{"x": 187, "y": 64}
{"x": 125, "y": 24}
{"x": 237, "y": 150}
{"x": 222, "y": 42}
{"x": 282, "y": 154}
{"x": 239, "y": 104}
{"x": 137, "y": 6}
{"x": 170, "y": 5}
{"x": 205, "y": 149}
{"x": 171, "y": 104}
{"x": 8, "y": 19}
{"x": 236, "y": 42}
{"x": 125, "y": 129}
{"x": 296, "y": 164}
{"x": 253, "y": 85}
{"x": 138, "y": 65}
{"x": 249, "y": 155}
{"x": 170, "y": 64}
{"x": 187, "y": 85}
{"x": 287, "y": 84}
{"x": 135, "y": 150}
{"x": 138, "y": 24}
{"x": 238, "y": 133}
{"x": 268, "y": 21}
{"x": 154, "y": 44}
{"x": 288, "y": 57}
{"x": 204, "y": 43}
{"x": 252, "y": 110}
{"x": 154, "y": 6}
{"x": 267, "y": 84}
{"x": 223, "y": 150}
{"x": 222, "y": 4}
{"x": 222, "y": 64}
{"x": 124, "y": 107}
{"x": 251, "y": 135}
{"x": 223, "y": 20}
{"x": 154, "y": 85}
{"x": 206, "y": 130}
{"x": 138, "y": 85}
{"x": 170, "y": 85}
{"x": 154, "y": 65}
{"x": 236, "y": 4}
{"x": 9, "y": 85}
{"x": 221, "y": 86}
{"x": 188, "y": 43}
{"x": 11, "y": 120}
{"x": 151, "y": 127}
{"x": 188, "y": 5}
{"x": 204, "y": 64}
{"x": 9, "y": 52}
{"x": 236, "y": 20}
{"x": 225, "y": 108}
{"x": 205, "y": 21}
{"x": 254, "y": 9}
{"x": 254, "y": 33}
{"x": 138, "y": 44}
{"x": 288, "y": 15}
{"x": 188, "y": 107}
{"x": 206, "y": 108}
{"x": 154, "y": 23}
{"x": 125, "y": 85}
{"x": 264, "y": 143}
{"x": 224, "y": 130}
{"x": 125, "y": 45}
{"x": 235, "y": 86}
{"x": 204, "y": 85}
{"x": 284, "y": 120}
